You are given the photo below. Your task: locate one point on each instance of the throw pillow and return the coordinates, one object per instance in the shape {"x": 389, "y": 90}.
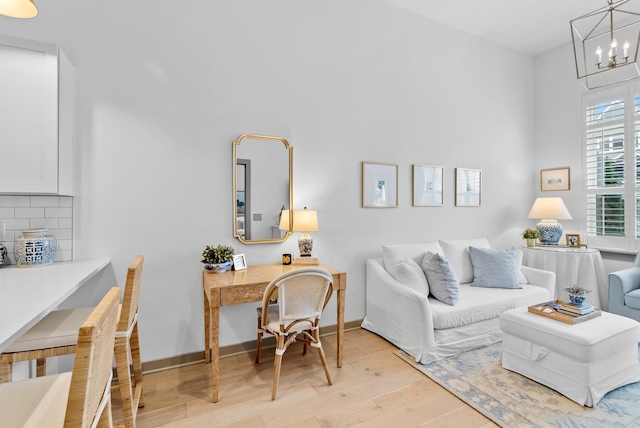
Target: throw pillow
{"x": 394, "y": 254}
{"x": 494, "y": 268}
{"x": 457, "y": 252}
{"x": 521, "y": 278}
{"x": 411, "y": 274}
{"x": 443, "y": 283}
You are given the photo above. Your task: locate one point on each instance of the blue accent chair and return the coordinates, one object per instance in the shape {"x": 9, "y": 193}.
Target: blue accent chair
{"x": 624, "y": 291}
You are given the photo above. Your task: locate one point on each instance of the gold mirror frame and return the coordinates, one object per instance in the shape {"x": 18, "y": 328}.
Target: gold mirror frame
{"x": 289, "y": 148}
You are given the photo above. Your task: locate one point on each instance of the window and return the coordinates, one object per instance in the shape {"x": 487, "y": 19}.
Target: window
{"x": 612, "y": 156}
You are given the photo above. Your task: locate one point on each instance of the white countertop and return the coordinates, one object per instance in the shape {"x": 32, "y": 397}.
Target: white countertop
{"x": 27, "y": 295}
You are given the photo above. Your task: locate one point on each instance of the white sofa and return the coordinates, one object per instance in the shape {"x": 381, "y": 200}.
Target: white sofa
{"x": 429, "y": 329}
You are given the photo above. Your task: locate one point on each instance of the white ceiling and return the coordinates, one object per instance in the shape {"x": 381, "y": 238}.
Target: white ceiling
{"x": 529, "y": 26}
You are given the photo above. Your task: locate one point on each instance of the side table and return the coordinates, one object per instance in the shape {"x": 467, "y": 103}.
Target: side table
{"x": 582, "y": 266}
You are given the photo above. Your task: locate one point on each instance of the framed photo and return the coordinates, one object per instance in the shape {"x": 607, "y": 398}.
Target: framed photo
{"x": 468, "y": 187}
{"x": 428, "y": 185}
{"x": 573, "y": 240}
{"x": 554, "y": 179}
{"x": 239, "y": 262}
{"x": 379, "y": 185}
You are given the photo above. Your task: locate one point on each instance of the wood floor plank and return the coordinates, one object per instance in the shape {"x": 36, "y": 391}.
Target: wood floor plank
{"x": 373, "y": 388}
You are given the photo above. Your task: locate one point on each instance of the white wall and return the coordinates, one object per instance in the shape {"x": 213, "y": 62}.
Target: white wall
{"x": 162, "y": 91}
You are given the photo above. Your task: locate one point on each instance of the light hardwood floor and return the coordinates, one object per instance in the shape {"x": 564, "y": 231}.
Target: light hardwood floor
{"x": 374, "y": 388}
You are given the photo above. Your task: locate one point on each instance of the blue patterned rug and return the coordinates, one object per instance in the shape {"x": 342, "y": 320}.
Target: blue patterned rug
{"x": 512, "y": 400}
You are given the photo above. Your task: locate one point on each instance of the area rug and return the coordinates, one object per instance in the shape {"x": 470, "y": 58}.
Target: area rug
{"x": 512, "y": 400}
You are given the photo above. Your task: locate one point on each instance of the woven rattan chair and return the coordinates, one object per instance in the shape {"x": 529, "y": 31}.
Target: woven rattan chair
{"x": 301, "y": 296}
{"x": 80, "y": 398}
{"x": 56, "y": 334}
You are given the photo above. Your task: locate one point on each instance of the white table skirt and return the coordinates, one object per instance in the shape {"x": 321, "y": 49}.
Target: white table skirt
{"x": 582, "y": 266}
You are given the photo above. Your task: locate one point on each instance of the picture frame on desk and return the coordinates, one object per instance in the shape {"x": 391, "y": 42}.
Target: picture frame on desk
{"x": 573, "y": 240}
{"x": 239, "y": 262}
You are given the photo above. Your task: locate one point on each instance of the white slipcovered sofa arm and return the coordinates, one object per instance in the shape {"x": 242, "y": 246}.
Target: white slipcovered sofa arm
{"x": 396, "y": 312}
{"x": 541, "y": 278}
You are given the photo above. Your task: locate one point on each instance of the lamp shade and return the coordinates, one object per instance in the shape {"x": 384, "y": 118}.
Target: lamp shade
{"x": 18, "y": 8}
{"x": 284, "y": 220}
{"x": 305, "y": 221}
{"x": 551, "y": 208}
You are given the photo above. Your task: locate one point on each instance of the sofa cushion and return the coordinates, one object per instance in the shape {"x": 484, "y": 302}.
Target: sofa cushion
{"x": 411, "y": 274}
{"x": 494, "y": 268}
{"x": 521, "y": 278}
{"x": 479, "y": 304}
{"x": 632, "y": 299}
{"x": 443, "y": 283}
{"x": 394, "y": 254}
{"x": 457, "y": 252}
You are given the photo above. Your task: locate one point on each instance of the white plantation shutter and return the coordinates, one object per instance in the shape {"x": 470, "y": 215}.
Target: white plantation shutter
{"x": 611, "y": 182}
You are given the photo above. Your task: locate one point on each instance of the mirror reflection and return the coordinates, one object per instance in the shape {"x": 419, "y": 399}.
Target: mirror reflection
{"x": 263, "y": 173}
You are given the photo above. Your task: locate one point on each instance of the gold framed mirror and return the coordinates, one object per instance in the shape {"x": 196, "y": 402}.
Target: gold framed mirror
{"x": 262, "y": 188}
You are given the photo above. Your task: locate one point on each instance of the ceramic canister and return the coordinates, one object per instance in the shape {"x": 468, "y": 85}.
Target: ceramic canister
{"x": 35, "y": 248}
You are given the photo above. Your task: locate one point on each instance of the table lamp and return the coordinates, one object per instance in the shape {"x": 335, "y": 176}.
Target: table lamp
{"x": 305, "y": 221}
{"x": 549, "y": 210}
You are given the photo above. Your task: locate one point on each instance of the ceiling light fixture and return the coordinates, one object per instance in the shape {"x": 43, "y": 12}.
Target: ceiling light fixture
{"x": 605, "y": 45}
{"x": 18, "y": 8}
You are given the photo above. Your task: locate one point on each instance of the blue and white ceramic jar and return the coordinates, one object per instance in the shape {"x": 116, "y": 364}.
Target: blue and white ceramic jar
{"x": 35, "y": 248}
{"x": 3, "y": 253}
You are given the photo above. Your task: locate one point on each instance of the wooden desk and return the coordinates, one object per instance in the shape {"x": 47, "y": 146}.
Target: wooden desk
{"x": 231, "y": 288}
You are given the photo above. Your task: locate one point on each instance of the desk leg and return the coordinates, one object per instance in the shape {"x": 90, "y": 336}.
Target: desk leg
{"x": 207, "y": 329}
{"x": 340, "y": 333}
{"x": 215, "y": 352}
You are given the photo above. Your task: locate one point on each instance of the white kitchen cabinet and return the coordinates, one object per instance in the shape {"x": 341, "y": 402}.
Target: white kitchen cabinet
{"x": 36, "y": 119}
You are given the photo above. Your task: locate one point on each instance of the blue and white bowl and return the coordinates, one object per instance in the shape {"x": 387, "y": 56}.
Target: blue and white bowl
{"x": 217, "y": 267}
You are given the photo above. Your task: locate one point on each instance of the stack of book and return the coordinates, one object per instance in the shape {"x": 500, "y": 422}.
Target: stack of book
{"x": 576, "y": 309}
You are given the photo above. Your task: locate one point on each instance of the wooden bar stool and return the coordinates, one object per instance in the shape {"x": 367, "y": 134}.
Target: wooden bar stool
{"x": 57, "y": 333}
{"x": 80, "y": 398}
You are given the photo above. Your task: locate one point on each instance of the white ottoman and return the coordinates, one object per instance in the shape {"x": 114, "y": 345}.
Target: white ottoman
{"x": 582, "y": 361}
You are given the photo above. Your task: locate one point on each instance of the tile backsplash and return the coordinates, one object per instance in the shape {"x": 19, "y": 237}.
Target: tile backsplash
{"x": 20, "y": 212}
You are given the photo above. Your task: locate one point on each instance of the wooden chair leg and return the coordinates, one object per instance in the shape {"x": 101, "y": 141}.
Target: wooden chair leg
{"x": 322, "y": 357}
{"x": 134, "y": 345}
{"x": 41, "y": 367}
{"x": 278, "y": 364}
{"x": 259, "y": 343}
{"x": 5, "y": 371}
{"x": 124, "y": 381}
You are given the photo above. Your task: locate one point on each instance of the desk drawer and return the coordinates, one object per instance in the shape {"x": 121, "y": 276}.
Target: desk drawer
{"x": 241, "y": 294}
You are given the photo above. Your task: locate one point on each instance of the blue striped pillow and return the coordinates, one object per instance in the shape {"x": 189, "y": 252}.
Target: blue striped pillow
{"x": 494, "y": 268}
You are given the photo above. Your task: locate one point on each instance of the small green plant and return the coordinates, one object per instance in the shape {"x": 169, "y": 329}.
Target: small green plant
{"x": 577, "y": 290}
{"x": 219, "y": 254}
{"x": 531, "y": 234}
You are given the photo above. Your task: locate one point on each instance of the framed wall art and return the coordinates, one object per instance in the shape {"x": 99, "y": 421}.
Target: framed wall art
{"x": 468, "y": 187}
{"x": 428, "y": 186}
{"x": 379, "y": 185}
{"x": 554, "y": 179}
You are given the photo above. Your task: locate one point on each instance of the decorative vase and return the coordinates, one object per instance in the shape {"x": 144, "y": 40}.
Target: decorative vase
{"x": 550, "y": 232}
{"x": 35, "y": 248}
{"x": 577, "y": 299}
{"x": 217, "y": 267}
{"x": 531, "y": 242}
{"x": 3, "y": 253}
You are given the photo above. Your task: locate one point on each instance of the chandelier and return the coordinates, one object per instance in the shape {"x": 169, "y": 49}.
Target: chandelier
{"x": 605, "y": 45}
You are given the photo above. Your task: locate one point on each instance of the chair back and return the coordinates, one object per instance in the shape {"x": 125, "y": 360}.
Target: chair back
{"x": 131, "y": 294}
{"x": 90, "y": 389}
{"x": 302, "y": 294}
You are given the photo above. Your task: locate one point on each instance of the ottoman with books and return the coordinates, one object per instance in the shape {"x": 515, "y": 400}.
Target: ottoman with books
{"x": 582, "y": 361}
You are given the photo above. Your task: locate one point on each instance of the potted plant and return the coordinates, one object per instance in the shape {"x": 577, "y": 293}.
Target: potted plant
{"x": 531, "y": 235}
{"x": 217, "y": 259}
{"x": 577, "y": 294}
